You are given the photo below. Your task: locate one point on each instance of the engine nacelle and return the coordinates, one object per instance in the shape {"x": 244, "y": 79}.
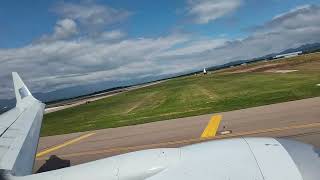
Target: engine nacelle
{"x": 229, "y": 159}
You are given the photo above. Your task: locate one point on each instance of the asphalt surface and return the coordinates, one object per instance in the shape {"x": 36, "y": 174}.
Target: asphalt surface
{"x": 298, "y": 120}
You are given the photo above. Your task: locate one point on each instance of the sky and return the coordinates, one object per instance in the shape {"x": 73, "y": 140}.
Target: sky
{"x": 83, "y": 46}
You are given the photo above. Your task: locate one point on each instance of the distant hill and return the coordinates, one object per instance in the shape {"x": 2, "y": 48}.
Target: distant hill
{"x": 306, "y": 48}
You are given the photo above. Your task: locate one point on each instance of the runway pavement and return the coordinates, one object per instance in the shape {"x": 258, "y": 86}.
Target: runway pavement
{"x": 299, "y": 120}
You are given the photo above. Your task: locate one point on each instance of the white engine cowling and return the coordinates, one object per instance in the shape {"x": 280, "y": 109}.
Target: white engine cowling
{"x": 230, "y": 159}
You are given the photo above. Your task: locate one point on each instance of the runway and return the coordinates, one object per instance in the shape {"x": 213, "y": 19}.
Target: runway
{"x": 299, "y": 120}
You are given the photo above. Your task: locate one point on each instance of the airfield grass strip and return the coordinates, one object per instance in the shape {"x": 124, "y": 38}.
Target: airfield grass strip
{"x": 190, "y": 96}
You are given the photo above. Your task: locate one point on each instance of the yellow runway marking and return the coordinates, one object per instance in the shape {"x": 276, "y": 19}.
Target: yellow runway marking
{"x": 186, "y": 141}
{"x": 212, "y": 127}
{"x": 47, "y": 151}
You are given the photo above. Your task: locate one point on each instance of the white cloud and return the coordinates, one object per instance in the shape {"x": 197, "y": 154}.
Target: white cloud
{"x": 62, "y": 63}
{"x": 294, "y": 10}
{"x": 204, "y": 11}
{"x": 90, "y": 14}
{"x": 292, "y": 29}
{"x": 301, "y": 17}
{"x": 112, "y": 35}
{"x": 196, "y": 46}
{"x": 63, "y": 29}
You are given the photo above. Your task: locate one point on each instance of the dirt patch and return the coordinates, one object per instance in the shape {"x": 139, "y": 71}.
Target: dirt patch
{"x": 282, "y": 71}
{"x": 260, "y": 68}
{"x": 283, "y": 67}
{"x": 308, "y": 61}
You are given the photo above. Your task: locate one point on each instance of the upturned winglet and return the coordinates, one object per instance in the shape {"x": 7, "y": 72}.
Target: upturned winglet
{"x": 20, "y": 88}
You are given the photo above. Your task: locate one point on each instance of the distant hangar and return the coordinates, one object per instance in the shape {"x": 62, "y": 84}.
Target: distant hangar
{"x": 287, "y": 55}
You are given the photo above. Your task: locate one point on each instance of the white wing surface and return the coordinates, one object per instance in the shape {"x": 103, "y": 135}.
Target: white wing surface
{"x": 20, "y": 129}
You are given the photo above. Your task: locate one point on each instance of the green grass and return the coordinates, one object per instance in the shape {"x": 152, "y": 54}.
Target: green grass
{"x": 188, "y": 96}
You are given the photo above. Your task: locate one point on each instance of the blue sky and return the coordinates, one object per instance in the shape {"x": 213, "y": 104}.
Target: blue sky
{"x": 29, "y": 21}
{"x": 57, "y": 45}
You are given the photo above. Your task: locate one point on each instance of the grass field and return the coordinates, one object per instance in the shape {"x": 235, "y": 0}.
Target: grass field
{"x": 194, "y": 95}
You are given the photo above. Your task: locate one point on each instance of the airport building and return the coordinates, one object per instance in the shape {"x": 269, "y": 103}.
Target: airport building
{"x": 287, "y": 55}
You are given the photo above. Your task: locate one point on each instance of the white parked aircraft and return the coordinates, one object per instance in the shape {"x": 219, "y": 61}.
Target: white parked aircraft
{"x": 204, "y": 71}
{"x": 230, "y": 159}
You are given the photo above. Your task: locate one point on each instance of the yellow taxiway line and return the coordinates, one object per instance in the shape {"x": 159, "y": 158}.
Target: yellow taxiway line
{"x": 187, "y": 141}
{"x": 49, "y": 150}
{"x": 212, "y": 127}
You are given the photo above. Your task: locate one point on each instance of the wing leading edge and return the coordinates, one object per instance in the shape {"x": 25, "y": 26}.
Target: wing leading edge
{"x": 20, "y": 130}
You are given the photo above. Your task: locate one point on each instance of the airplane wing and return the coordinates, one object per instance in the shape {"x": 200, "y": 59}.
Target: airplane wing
{"x": 19, "y": 131}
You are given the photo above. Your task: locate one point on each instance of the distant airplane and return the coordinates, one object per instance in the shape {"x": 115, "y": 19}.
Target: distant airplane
{"x": 204, "y": 71}
{"x": 230, "y": 159}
